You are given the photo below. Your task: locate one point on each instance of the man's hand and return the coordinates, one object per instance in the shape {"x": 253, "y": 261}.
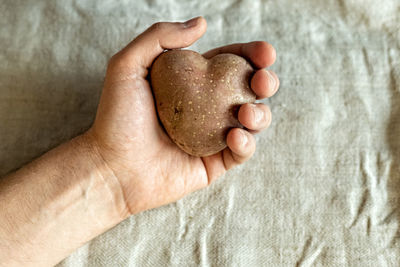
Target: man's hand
{"x": 151, "y": 169}
{"x": 125, "y": 163}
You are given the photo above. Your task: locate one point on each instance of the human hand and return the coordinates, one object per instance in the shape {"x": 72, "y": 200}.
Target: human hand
{"x": 151, "y": 169}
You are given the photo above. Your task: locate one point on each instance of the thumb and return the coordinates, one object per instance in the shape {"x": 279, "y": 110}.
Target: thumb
{"x": 141, "y": 52}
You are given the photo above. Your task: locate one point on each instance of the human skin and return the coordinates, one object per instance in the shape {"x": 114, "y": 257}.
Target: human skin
{"x": 125, "y": 163}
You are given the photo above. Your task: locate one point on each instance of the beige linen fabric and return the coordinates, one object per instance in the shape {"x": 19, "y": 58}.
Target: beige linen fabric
{"x": 323, "y": 188}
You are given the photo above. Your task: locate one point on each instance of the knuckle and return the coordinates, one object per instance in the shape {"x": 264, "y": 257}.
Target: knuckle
{"x": 238, "y": 159}
{"x": 265, "y": 119}
{"x": 113, "y": 60}
{"x": 157, "y": 26}
{"x": 116, "y": 62}
{"x": 186, "y": 42}
{"x": 255, "y": 116}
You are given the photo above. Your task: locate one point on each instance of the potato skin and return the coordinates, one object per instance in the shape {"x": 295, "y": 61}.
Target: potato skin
{"x": 198, "y": 99}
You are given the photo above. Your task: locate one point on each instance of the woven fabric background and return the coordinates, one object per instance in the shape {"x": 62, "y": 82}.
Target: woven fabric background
{"x": 323, "y": 188}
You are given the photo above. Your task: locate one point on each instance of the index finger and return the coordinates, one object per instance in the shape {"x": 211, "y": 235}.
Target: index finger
{"x": 261, "y": 54}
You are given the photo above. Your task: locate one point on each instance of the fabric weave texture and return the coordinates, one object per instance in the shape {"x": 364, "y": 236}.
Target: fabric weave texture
{"x": 323, "y": 188}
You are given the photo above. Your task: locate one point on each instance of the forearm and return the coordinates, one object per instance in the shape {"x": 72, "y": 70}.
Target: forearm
{"x": 55, "y": 204}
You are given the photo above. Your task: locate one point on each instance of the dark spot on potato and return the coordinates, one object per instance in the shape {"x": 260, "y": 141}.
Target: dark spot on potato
{"x": 235, "y": 110}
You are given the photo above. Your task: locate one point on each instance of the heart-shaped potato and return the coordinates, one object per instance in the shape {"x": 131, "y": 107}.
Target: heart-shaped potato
{"x": 198, "y": 99}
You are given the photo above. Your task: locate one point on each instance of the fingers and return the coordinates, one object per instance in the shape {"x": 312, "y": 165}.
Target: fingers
{"x": 142, "y": 51}
{"x": 264, "y": 83}
{"x": 261, "y": 54}
{"x": 255, "y": 117}
{"x": 214, "y": 165}
{"x": 241, "y": 146}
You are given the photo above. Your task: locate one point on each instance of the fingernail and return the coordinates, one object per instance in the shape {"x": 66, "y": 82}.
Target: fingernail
{"x": 243, "y": 138}
{"x": 271, "y": 80}
{"x": 259, "y": 114}
{"x": 191, "y": 23}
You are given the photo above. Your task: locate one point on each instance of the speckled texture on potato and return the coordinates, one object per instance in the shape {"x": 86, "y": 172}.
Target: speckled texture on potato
{"x": 197, "y": 99}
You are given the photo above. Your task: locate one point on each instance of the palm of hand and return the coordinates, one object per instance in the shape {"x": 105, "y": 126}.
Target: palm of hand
{"x": 138, "y": 150}
{"x": 151, "y": 169}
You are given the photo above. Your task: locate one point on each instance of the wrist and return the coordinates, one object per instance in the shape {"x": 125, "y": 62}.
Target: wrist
{"x": 57, "y": 203}
{"x": 87, "y": 145}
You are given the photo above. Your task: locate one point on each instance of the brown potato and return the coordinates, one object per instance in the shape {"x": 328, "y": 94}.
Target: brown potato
{"x": 198, "y": 99}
